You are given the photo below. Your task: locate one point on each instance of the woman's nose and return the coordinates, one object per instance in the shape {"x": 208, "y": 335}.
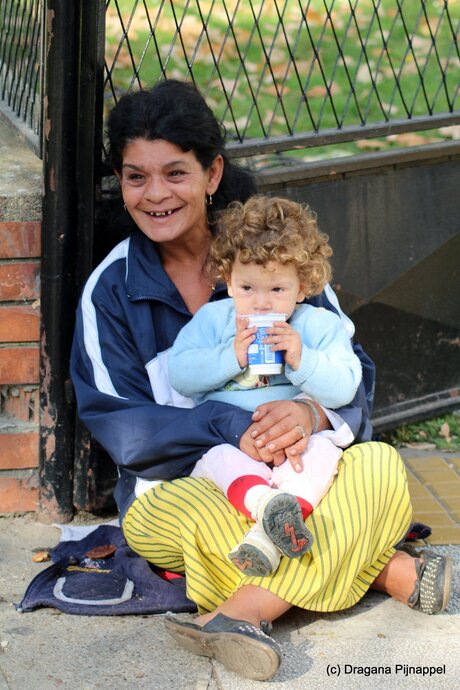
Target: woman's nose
{"x": 156, "y": 190}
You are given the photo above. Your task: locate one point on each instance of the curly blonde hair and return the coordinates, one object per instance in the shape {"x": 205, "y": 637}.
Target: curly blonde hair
{"x": 265, "y": 229}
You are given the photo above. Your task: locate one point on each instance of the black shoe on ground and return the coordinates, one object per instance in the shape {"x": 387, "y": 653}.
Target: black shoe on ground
{"x": 238, "y": 645}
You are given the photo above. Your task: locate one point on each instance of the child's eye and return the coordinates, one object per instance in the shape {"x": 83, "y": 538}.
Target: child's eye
{"x": 277, "y": 289}
{"x": 246, "y": 288}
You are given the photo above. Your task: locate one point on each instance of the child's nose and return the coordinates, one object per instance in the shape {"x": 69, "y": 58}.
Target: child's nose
{"x": 263, "y": 301}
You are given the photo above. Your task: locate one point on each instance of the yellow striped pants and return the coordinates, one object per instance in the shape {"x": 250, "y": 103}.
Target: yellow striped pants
{"x": 188, "y": 526}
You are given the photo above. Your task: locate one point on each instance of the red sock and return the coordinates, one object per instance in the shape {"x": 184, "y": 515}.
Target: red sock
{"x": 237, "y": 490}
{"x": 306, "y": 507}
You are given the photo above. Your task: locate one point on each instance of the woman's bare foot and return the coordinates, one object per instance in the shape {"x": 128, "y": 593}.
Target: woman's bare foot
{"x": 249, "y": 603}
{"x": 398, "y": 577}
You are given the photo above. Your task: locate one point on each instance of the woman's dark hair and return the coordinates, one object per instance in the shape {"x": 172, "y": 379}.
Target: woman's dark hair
{"x": 176, "y": 112}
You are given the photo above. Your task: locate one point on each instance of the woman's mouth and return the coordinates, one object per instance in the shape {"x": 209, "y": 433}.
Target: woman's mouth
{"x": 160, "y": 214}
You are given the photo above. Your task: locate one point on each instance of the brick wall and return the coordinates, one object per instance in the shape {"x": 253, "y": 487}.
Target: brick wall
{"x": 19, "y": 365}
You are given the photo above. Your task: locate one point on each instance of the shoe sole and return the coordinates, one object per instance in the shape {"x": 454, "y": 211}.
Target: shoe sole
{"x": 447, "y": 584}
{"x": 446, "y": 591}
{"x": 283, "y": 522}
{"x": 238, "y": 653}
{"x": 251, "y": 561}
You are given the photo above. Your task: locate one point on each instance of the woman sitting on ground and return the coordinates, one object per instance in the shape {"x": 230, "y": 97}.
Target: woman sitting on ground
{"x": 167, "y": 150}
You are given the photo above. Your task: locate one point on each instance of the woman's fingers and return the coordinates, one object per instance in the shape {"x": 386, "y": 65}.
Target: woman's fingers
{"x": 247, "y": 445}
{"x": 281, "y": 430}
{"x": 281, "y": 425}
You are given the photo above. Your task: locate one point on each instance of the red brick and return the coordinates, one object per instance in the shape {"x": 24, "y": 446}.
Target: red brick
{"x": 19, "y": 451}
{"x": 18, "y": 495}
{"x": 19, "y": 324}
{"x": 19, "y": 240}
{"x": 19, "y": 281}
{"x": 21, "y": 403}
{"x": 19, "y": 365}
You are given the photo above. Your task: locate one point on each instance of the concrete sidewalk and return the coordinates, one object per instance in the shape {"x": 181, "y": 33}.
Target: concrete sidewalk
{"x": 47, "y": 649}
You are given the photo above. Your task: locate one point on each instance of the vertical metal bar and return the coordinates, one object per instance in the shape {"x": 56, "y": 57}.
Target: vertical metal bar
{"x": 88, "y": 167}
{"x": 59, "y": 234}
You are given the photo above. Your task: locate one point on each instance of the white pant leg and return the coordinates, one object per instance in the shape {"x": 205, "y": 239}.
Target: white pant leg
{"x": 225, "y": 463}
{"x": 320, "y": 462}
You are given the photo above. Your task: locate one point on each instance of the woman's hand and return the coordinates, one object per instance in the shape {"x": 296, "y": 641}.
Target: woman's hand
{"x": 281, "y": 429}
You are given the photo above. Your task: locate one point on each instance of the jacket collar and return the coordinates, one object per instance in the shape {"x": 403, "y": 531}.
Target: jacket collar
{"x": 146, "y": 278}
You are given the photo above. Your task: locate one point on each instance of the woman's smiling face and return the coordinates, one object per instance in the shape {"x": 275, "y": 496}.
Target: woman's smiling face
{"x": 165, "y": 189}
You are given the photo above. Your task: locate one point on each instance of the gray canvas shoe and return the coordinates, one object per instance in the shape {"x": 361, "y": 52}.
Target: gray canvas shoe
{"x": 256, "y": 554}
{"x": 280, "y": 515}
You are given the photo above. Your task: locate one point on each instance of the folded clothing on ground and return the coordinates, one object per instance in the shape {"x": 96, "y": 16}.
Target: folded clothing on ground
{"x": 101, "y": 575}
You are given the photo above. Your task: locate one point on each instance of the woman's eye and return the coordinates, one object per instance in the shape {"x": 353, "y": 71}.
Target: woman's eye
{"x": 135, "y": 177}
{"x": 176, "y": 173}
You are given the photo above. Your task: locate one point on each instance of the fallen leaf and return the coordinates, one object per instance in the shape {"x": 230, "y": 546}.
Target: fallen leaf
{"x": 370, "y": 144}
{"x": 103, "y": 551}
{"x": 445, "y": 431}
{"x": 321, "y": 90}
{"x": 41, "y": 556}
{"x": 363, "y": 75}
{"x": 316, "y": 91}
{"x": 410, "y": 139}
{"x": 453, "y": 131}
{"x": 272, "y": 89}
{"x": 313, "y": 17}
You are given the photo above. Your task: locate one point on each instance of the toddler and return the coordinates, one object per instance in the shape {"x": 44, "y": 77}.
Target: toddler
{"x": 272, "y": 257}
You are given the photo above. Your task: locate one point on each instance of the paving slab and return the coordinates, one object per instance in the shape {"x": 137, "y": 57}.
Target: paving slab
{"x": 434, "y": 486}
{"x": 47, "y": 649}
{"x": 379, "y": 640}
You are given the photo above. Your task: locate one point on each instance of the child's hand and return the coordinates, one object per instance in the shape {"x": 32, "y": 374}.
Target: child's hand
{"x": 243, "y": 338}
{"x": 281, "y": 336}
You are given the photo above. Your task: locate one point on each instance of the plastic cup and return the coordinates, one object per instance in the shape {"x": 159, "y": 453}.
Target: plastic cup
{"x": 261, "y": 359}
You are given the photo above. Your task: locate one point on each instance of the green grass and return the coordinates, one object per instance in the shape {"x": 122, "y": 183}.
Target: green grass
{"x": 345, "y": 106}
{"x": 442, "y": 432}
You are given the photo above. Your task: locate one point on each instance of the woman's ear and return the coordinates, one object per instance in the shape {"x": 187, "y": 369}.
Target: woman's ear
{"x": 215, "y": 173}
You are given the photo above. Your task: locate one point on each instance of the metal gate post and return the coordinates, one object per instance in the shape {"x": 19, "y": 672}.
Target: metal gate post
{"x": 58, "y": 293}
{"x": 88, "y": 188}
{"x": 73, "y": 96}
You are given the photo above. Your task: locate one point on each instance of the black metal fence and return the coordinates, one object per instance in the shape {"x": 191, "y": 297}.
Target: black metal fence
{"x": 281, "y": 74}
{"x": 20, "y": 65}
{"x": 285, "y": 74}
{"x": 308, "y": 80}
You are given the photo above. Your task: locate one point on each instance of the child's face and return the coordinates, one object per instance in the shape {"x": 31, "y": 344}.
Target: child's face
{"x": 264, "y": 289}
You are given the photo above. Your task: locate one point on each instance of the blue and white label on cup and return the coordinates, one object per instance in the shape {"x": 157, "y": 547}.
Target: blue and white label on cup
{"x": 261, "y": 358}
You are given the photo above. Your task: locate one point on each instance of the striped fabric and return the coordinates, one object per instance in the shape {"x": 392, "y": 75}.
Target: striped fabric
{"x": 188, "y": 526}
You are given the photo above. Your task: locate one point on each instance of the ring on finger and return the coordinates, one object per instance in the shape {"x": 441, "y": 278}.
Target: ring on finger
{"x": 301, "y": 431}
